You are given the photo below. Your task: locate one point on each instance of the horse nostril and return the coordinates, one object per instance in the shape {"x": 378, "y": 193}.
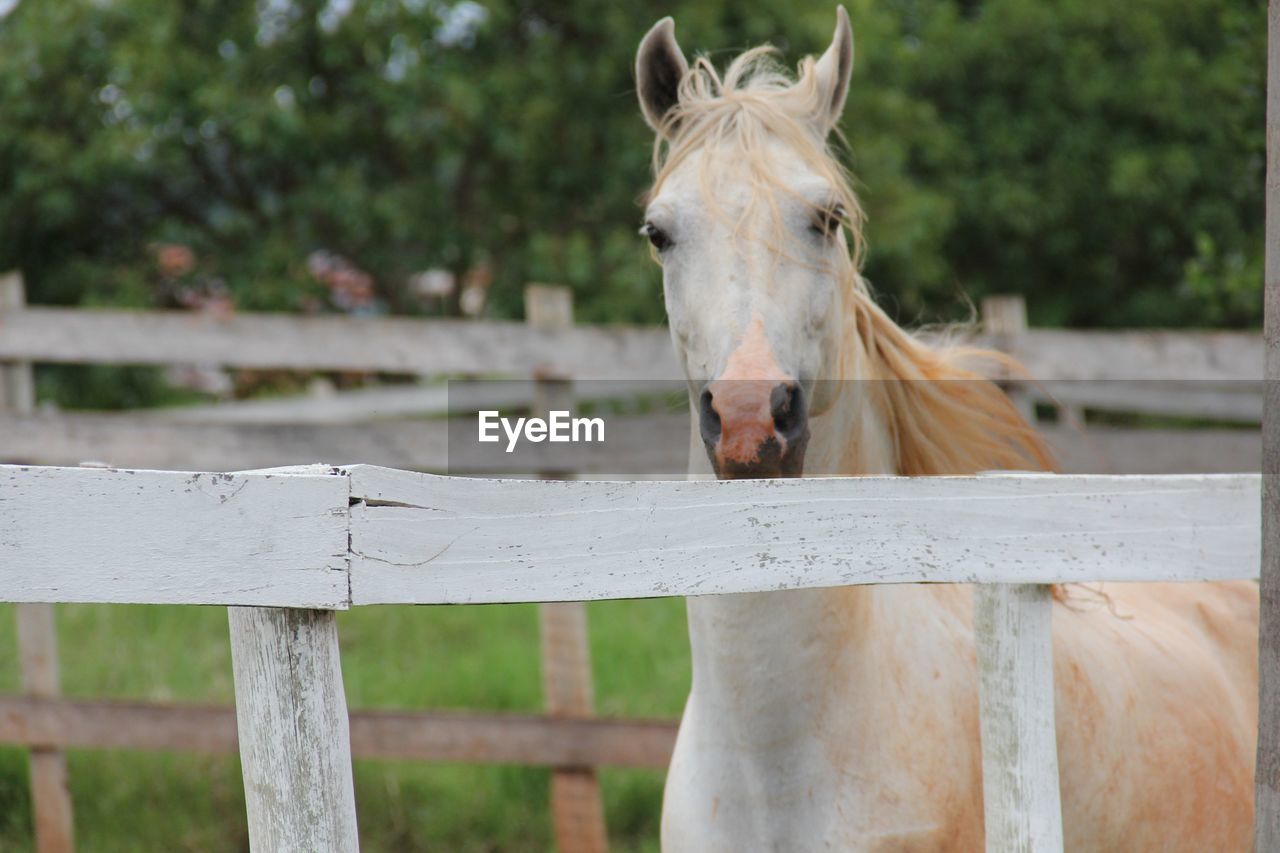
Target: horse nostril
{"x": 708, "y": 418}
{"x": 789, "y": 415}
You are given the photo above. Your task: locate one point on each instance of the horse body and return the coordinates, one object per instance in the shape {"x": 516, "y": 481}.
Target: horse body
{"x": 847, "y": 719}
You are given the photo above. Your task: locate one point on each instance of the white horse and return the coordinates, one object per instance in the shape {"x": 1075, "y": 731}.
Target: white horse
{"x": 847, "y": 719}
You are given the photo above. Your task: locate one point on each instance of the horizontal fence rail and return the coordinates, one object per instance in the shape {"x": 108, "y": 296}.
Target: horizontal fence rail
{"x": 469, "y": 737}
{"x": 649, "y": 443}
{"x": 165, "y": 537}
{"x": 387, "y": 344}
{"x": 329, "y": 537}
{"x": 295, "y": 544}
{"x": 407, "y": 345}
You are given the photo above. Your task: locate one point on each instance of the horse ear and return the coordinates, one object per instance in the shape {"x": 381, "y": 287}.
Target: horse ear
{"x": 660, "y": 66}
{"x": 833, "y": 71}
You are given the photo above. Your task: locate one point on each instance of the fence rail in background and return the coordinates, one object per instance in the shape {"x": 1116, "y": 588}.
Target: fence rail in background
{"x": 287, "y": 341}
{"x": 396, "y": 536}
{"x": 655, "y": 443}
{"x": 467, "y": 737}
{"x": 437, "y": 346}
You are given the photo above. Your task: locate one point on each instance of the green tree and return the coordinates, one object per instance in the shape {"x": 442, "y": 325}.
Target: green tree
{"x": 1104, "y": 159}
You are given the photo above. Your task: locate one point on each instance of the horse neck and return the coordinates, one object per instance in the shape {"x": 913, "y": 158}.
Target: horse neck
{"x": 791, "y": 643}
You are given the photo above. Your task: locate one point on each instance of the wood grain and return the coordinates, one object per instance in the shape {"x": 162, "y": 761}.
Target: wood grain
{"x": 418, "y": 538}
{"x": 295, "y": 746}
{"x": 166, "y": 537}
{"x": 1021, "y": 804}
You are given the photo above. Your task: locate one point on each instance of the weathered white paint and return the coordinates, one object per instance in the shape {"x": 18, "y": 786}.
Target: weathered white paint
{"x": 295, "y": 745}
{"x": 427, "y": 539}
{"x": 280, "y": 538}
{"x": 167, "y": 537}
{"x": 394, "y": 345}
{"x": 1021, "y": 804}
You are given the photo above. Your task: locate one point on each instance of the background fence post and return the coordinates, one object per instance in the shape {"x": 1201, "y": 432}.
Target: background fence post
{"x": 37, "y": 631}
{"x": 1267, "y": 781}
{"x": 577, "y": 811}
{"x": 1004, "y": 318}
{"x": 1013, "y": 630}
{"x": 295, "y": 742}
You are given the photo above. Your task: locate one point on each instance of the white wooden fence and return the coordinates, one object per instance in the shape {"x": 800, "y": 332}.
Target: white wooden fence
{"x": 284, "y": 548}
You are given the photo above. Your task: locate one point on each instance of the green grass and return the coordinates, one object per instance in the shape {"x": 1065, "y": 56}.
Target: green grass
{"x": 479, "y": 658}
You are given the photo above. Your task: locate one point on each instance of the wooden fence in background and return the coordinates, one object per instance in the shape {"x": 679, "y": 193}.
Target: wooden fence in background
{"x": 263, "y": 434}
{"x": 296, "y": 544}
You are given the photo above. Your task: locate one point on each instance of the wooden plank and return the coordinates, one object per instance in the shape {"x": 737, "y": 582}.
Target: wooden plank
{"x": 161, "y": 537}
{"x": 1267, "y": 780}
{"x": 391, "y": 735}
{"x": 388, "y": 344}
{"x": 17, "y": 382}
{"x": 143, "y": 441}
{"x": 291, "y": 715}
{"x": 1239, "y": 402}
{"x": 50, "y": 791}
{"x": 418, "y": 346}
{"x": 1104, "y": 450}
{"x": 645, "y": 444}
{"x": 37, "y": 634}
{"x": 1021, "y": 804}
{"x": 387, "y": 402}
{"x": 418, "y": 538}
{"x": 577, "y": 811}
{"x": 1004, "y": 320}
{"x": 1061, "y": 354}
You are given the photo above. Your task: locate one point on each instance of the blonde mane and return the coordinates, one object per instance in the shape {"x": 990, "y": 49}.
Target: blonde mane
{"x": 943, "y": 417}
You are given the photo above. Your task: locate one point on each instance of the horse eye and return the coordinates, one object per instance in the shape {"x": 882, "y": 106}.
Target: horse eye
{"x": 827, "y": 220}
{"x": 656, "y": 236}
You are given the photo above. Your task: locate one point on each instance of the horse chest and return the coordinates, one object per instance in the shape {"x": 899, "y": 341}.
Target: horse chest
{"x": 854, "y": 779}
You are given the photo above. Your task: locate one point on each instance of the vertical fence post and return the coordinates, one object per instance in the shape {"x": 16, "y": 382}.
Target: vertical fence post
{"x": 1004, "y": 318}
{"x": 37, "y": 631}
{"x": 576, "y": 808}
{"x": 1267, "y": 780}
{"x": 1013, "y": 629}
{"x": 295, "y": 742}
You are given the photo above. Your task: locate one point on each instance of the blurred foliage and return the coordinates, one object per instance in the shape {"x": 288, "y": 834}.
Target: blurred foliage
{"x": 1105, "y": 159}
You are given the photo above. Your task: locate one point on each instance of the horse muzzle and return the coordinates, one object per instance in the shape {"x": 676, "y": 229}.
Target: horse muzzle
{"x": 754, "y": 429}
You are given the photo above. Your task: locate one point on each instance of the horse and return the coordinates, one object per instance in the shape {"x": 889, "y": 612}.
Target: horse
{"x": 847, "y": 718}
